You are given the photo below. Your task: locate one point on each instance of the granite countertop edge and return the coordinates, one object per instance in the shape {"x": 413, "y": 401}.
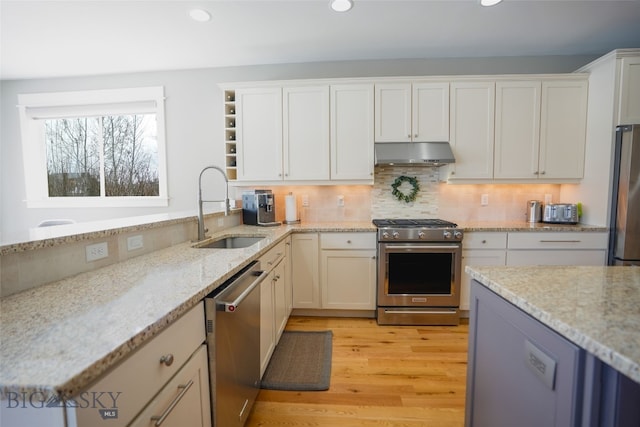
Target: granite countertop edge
{"x": 184, "y": 274}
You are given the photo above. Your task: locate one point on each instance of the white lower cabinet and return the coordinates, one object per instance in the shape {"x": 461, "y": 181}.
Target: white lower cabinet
{"x": 334, "y": 271}
{"x": 348, "y": 271}
{"x": 275, "y": 297}
{"x": 480, "y": 248}
{"x": 168, "y": 378}
{"x": 305, "y": 273}
{"x": 184, "y": 401}
{"x": 557, "y": 248}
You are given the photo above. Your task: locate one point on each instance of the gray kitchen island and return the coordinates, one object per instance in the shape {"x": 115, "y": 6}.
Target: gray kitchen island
{"x": 554, "y": 346}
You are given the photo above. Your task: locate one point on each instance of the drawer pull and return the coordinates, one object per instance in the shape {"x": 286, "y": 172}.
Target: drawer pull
{"x": 559, "y": 241}
{"x": 277, "y": 257}
{"x": 167, "y": 359}
{"x": 183, "y": 390}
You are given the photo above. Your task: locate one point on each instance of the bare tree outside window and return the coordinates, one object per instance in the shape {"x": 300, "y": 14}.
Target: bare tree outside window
{"x": 124, "y": 147}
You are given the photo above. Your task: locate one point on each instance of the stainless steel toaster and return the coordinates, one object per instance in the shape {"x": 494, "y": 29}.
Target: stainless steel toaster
{"x": 560, "y": 213}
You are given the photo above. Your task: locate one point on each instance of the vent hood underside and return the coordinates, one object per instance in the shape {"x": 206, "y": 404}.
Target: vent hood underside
{"x": 413, "y": 153}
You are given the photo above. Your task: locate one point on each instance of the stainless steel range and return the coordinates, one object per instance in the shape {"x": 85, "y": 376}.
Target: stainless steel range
{"x": 419, "y": 270}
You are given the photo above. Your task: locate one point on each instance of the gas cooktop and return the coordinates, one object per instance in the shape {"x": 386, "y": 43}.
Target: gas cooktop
{"x": 409, "y": 223}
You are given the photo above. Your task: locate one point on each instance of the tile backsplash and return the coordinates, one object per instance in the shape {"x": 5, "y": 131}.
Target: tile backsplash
{"x": 454, "y": 202}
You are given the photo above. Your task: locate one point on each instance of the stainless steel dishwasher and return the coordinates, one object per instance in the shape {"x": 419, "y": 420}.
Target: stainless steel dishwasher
{"x": 233, "y": 339}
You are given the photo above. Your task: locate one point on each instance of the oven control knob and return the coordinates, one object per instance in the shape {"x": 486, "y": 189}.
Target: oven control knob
{"x": 421, "y": 234}
{"x": 396, "y": 235}
{"x": 457, "y": 234}
{"x": 447, "y": 234}
{"x": 385, "y": 235}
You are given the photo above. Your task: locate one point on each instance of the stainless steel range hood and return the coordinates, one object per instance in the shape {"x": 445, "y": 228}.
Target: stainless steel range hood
{"x": 413, "y": 153}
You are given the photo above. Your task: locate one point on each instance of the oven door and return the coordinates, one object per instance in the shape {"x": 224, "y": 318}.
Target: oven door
{"x": 419, "y": 274}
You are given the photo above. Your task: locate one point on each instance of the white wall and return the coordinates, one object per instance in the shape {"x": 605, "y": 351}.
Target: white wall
{"x": 194, "y": 119}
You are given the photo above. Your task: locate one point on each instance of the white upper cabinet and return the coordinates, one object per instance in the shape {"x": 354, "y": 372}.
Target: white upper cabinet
{"x": 472, "y": 129}
{"x": 430, "y": 119}
{"x": 306, "y": 132}
{"x": 517, "y": 129}
{"x": 259, "y": 133}
{"x": 563, "y": 124}
{"x": 412, "y": 112}
{"x": 352, "y": 132}
{"x": 629, "y": 111}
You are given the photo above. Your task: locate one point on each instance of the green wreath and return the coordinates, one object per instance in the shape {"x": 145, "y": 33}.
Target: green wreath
{"x": 407, "y": 198}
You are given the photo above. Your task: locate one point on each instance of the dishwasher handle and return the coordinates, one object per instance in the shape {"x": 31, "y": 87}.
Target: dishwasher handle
{"x": 231, "y": 306}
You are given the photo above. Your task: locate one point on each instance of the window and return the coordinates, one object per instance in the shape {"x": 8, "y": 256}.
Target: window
{"x": 94, "y": 148}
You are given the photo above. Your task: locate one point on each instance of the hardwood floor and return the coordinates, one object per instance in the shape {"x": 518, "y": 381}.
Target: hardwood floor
{"x": 381, "y": 376}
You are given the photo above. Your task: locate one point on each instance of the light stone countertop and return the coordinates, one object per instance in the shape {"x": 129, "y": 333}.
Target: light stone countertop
{"x": 596, "y": 308}
{"x": 60, "y": 337}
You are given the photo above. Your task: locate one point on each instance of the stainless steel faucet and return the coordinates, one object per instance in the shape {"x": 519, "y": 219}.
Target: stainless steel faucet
{"x": 201, "y": 229}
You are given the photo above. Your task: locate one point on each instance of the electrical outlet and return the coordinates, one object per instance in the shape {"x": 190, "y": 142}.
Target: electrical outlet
{"x": 97, "y": 251}
{"x": 341, "y": 201}
{"x": 135, "y": 242}
{"x": 484, "y": 200}
{"x": 305, "y": 200}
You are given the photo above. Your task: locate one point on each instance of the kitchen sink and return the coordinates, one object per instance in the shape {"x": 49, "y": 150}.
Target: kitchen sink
{"x": 229, "y": 242}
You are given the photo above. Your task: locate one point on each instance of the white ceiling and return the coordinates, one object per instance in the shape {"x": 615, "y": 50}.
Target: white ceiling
{"x": 52, "y": 38}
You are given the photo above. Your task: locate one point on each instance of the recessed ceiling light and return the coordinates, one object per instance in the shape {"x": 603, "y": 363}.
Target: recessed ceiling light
{"x": 341, "y": 5}
{"x": 489, "y": 2}
{"x": 200, "y": 15}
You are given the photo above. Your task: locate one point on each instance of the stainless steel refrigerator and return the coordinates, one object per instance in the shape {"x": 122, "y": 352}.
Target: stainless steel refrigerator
{"x": 624, "y": 238}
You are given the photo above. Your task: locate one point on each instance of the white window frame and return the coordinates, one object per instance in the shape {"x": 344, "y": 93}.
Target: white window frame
{"x": 35, "y": 106}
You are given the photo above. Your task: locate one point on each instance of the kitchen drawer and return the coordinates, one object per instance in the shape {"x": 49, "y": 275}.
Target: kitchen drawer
{"x": 184, "y": 401}
{"x": 348, "y": 240}
{"x": 559, "y": 240}
{"x": 484, "y": 240}
{"x": 557, "y": 257}
{"x": 269, "y": 260}
{"x": 139, "y": 377}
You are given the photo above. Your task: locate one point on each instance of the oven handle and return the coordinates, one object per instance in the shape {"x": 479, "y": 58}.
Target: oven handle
{"x": 419, "y": 312}
{"x": 422, "y": 247}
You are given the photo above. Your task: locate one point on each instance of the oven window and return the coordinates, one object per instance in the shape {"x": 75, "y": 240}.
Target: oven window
{"x": 420, "y": 273}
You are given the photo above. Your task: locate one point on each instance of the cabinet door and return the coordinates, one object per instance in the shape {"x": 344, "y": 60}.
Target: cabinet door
{"x": 563, "y": 125}
{"x": 352, "y": 132}
{"x": 305, "y": 271}
{"x": 259, "y": 134}
{"x": 517, "y": 129}
{"x": 472, "y": 129}
{"x": 348, "y": 279}
{"x": 629, "y": 110}
{"x": 430, "y": 112}
{"x": 393, "y": 112}
{"x": 477, "y": 257}
{"x": 267, "y": 329}
{"x": 281, "y": 314}
{"x": 184, "y": 401}
{"x": 306, "y": 133}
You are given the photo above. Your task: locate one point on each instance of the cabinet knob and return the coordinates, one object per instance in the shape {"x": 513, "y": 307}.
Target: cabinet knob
{"x": 167, "y": 359}
{"x": 349, "y": 241}
{"x": 484, "y": 241}
{"x": 415, "y": 136}
{"x": 536, "y": 173}
{"x": 542, "y": 173}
